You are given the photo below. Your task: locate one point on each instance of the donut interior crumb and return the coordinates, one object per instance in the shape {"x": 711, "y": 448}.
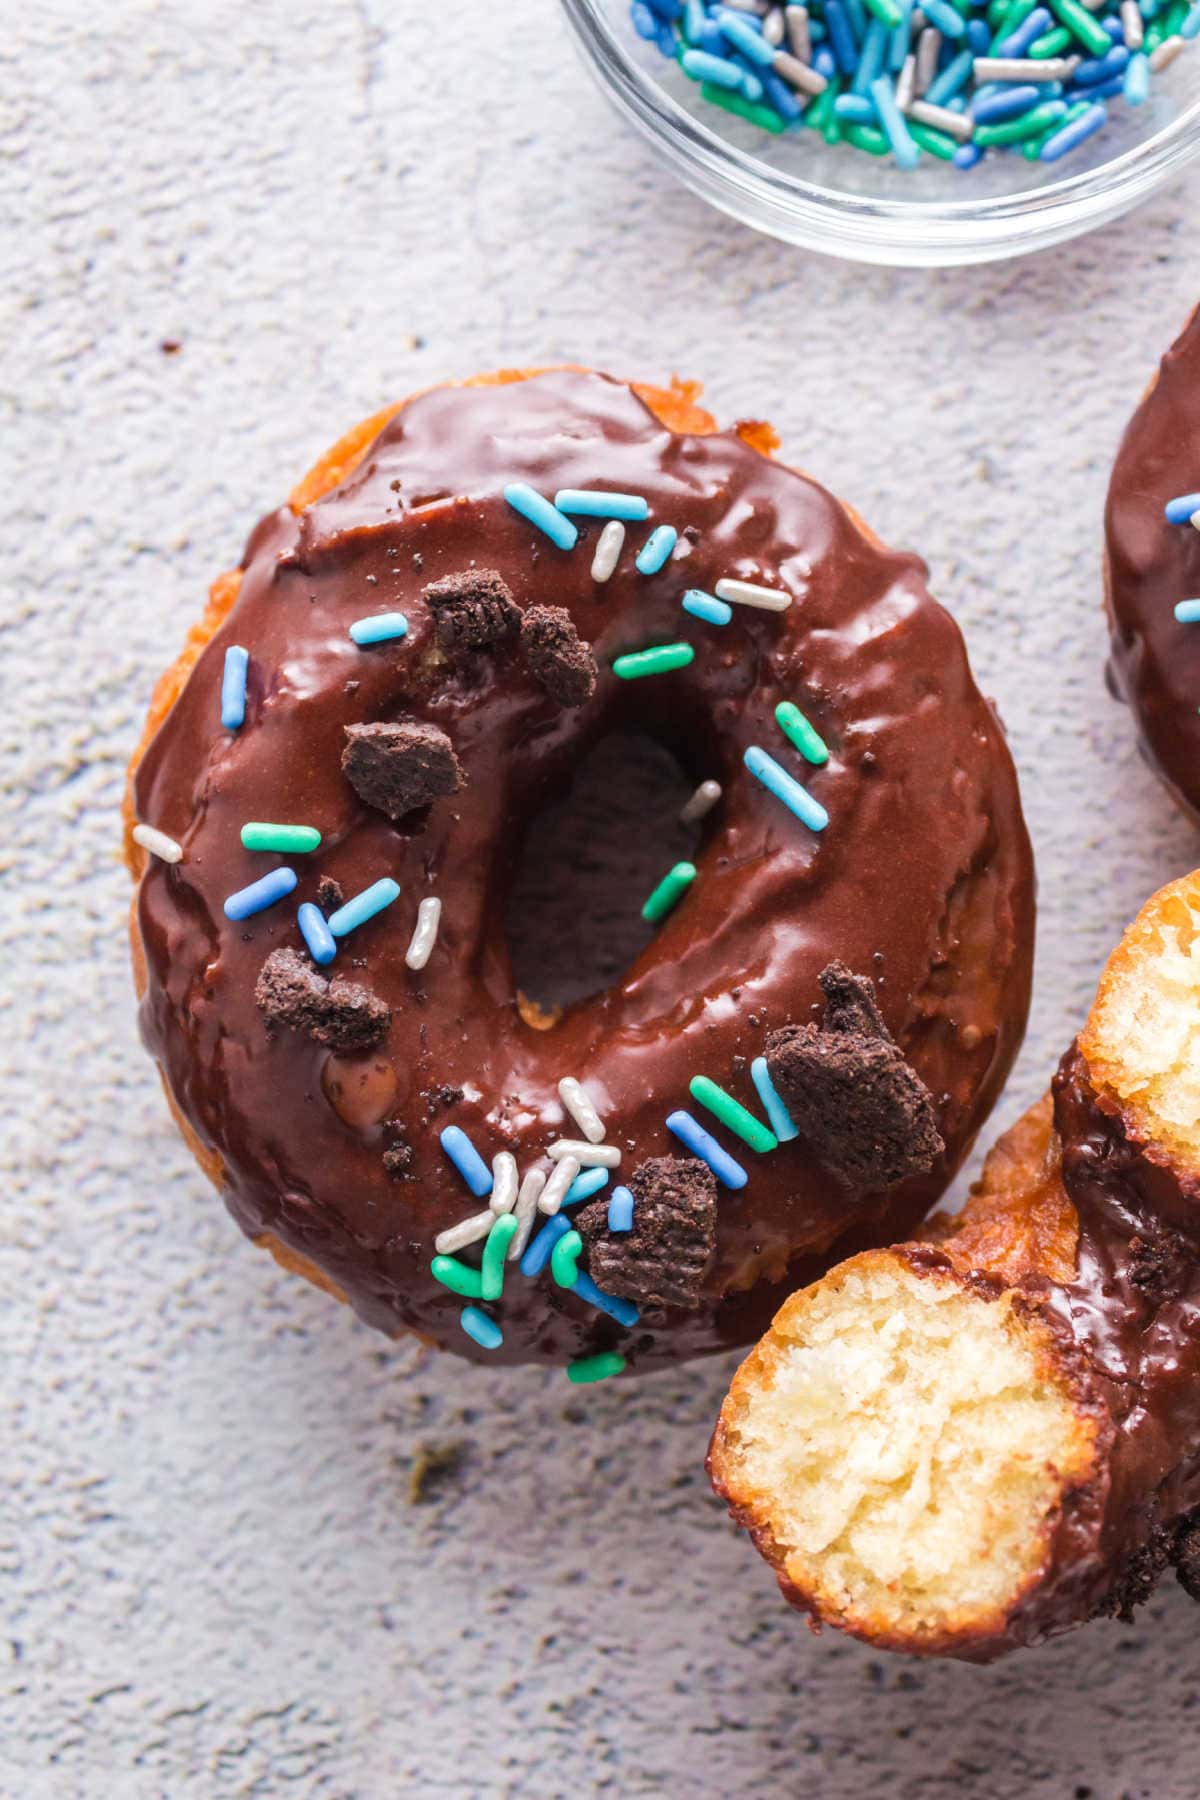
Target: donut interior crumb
{"x": 1141, "y": 1041}
{"x": 902, "y": 1442}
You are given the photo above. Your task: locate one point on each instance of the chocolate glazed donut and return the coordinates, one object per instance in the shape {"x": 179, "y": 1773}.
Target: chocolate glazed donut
{"x": 970, "y": 1443}
{"x": 1152, "y": 564}
{"x": 317, "y": 1096}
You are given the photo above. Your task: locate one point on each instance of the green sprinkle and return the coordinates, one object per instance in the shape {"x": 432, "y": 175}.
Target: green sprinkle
{"x": 1079, "y": 20}
{"x": 792, "y": 722}
{"x": 886, "y": 11}
{"x": 290, "y": 840}
{"x": 1154, "y": 37}
{"x": 1175, "y": 17}
{"x": 1015, "y": 131}
{"x": 669, "y": 892}
{"x": 868, "y": 138}
{"x": 491, "y": 1277}
{"x": 1051, "y": 43}
{"x": 457, "y": 1277}
{"x": 564, "y": 1257}
{"x": 595, "y": 1368}
{"x": 732, "y": 1113}
{"x": 754, "y": 110}
{"x": 660, "y": 659}
{"x": 938, "y": 143}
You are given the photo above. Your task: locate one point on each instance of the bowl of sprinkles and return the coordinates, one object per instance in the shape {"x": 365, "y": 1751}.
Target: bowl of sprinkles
{"x": 907, "y": 131}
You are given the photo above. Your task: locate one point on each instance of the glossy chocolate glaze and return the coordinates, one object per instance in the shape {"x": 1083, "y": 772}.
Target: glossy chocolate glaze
{"x": 923, "y": 878}
{"x": 1155, "y": 661}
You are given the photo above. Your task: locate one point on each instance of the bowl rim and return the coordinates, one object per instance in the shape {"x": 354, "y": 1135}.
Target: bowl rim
{"x": 859, "y": 226}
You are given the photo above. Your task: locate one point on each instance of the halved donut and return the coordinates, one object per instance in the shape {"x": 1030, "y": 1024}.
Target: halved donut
{"x": 866, "y": 856}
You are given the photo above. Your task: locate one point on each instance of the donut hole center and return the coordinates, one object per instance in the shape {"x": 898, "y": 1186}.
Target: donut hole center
{"x": 590, "y": 859}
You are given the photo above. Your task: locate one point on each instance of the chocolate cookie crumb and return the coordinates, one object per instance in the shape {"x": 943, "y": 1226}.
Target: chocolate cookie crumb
{"x": 398, "y": 767}
{"x": 860, "y": 1107}
{"x": 339, "y": 1013}
{"x": 329, "y": 894}
{"x": 472, "y": 610}
{"x": 1139, "y": 1576}
{"x": 398, "y": 1161}
{"x": 555, "y": 653}
{"x": 1159, "y": 1261}
{"x": 1187, "y": 1556}
{"x": 663, "y": 1260}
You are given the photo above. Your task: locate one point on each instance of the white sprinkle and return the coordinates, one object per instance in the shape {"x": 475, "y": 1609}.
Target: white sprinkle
{"x": 1023, "y": 69}
{"x": 955, "y": 125}
{"x": 423, "y": 938}
{"x": 504, "y": 1182}
{"x": 906, "y": 83}
{"x": 749, "y": 593}
{"x": 773, "y": 27}
{"x": 929, "y": 48}
{"x": 701, "y": 802}
{"x": 158, "y": 843}
{"x": 588, "y": 1156}
{"x": 1196, "y": 520}
{"x": 527, "y": 1199}
{"x": 1166, "y": 53}
{"x": 798, "y": 74}
{"x": 609, "y": 546}
{"x": 581, "y": 1109}
{"x": 467, "y": 1231}
{"x": 798, "y": 33}
{"x": 552, "y": 1195}
{"x": 1134, "y": 26}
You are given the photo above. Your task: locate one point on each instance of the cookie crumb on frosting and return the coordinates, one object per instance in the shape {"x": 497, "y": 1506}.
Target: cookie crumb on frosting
{"x": 472, "y": 610}
{"x": 555, "y": 653}
{"x": 398, "y": 767}
{"x": 663, "y": 1259}
{"x": 863, "y": 1110}
{"x": 339, "y": 1013}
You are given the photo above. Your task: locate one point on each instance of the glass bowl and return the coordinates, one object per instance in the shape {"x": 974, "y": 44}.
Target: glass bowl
{"x": 845, "y": 203}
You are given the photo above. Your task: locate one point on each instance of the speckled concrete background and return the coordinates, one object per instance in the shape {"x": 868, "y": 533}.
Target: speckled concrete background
{"x": 216, "y": 1582}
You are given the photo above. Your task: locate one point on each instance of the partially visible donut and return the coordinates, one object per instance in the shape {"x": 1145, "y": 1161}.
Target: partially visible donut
{"x": 1152, "y": 566}
{"x": 317, "y": 1096}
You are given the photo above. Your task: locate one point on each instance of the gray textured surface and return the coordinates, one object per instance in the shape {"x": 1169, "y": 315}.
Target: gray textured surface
{"x": 214, "y": 1582}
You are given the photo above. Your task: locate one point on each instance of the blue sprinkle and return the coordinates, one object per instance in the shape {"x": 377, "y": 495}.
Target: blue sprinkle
{"x": 778, "y": 1117}
{"x": 1179, "y": 511}
{"x": 670, "y": 10}
{"x": 709, "y": 39}
{"x": 466, "y": 1159}
{"x": 1073, "y": 134}
{"x": 233, "y": 688}
{"x": 1191, "y": 25}
{"x": 785, "y": 787}
{"x": 666, "y": 41}
{"x": 898, "y": 49}
{"x": 841, "y": 38}
{"x": 620, "y": 1210}
{"x": 595, "y": 504}
{"x": 947, "y": 18}
{"x": 979, "y": 37}
{"x": 695, "y": 19}
{"x": 705, "y": 606}
{"x": 656, "y": 549}
{"x": 537, "y": 509}
{"x": 786, "y": 103}
{"x": 1004, "y": 103}
{"x": 644, "y": 21}
{"x": 478, "y": 1325}
{"x": 1114, "y": 28}
{"x": 379, "y": 628}
{"x": 744, "y": 37}
{"x": 824, "y": 61}
{"x": 1187, "y": 611}
{"x": 585, "y": 1184}
{"x": 316, "y": 933}
{"x": 855, "y": 107}
{"x": 623, "y": 1311}
{"x": 870, "y": 60}
{"x": 953, "y": 77}
{"x": 1107, "y": 91}
{"x": 701, "y": 1143}
{"x": 966, "y": 156}
{"x": 537, "y": 1256}
{"x": 720, "y": 70}
{"x": 906, "y": 155}
{"x": 1027, "y": 32}
{"x": 364, "y": 906}
{"x": 1099, "y": 69}
{"x": 260, "y": 894}
{"x": 1136, "y": 85}
{"x": 856, "y": 12}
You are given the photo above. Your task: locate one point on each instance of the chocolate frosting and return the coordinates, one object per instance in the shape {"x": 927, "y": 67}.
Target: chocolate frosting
{"x": 1155, "y": 661}
{"x": 922, "y": 880}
